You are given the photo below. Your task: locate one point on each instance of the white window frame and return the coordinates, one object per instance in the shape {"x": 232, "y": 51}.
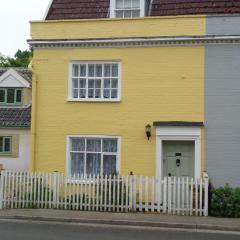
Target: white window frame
{"x": 102, "y": 99}
{"x": 68, "y": 152}
{"x": 113, "y": 8}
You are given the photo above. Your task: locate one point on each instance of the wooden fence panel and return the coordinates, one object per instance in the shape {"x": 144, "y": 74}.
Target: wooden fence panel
{"x": 172, "y": 195}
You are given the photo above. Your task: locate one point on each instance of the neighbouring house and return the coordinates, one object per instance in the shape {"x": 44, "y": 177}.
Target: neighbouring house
{"x": 15, "y": 118}
{"x": 149, "y": 87}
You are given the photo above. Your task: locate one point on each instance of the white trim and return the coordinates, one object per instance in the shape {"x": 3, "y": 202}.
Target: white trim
{"x": 47, "y": 10}
{"x": 142, "y": 8}
{"x": 118, "y": 164}
{"x": 71, "y": 99}
{"x": 135, "y": 42}
{"x": 112, "y": 8}
{"x": 17, "y": 76}
{"x": 182, "y": 134}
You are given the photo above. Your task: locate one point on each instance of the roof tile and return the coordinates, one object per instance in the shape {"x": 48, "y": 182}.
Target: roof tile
{"x": 15, "y": 117}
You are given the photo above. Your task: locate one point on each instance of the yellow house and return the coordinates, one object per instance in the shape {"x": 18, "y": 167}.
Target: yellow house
{"x": 118, "y": 88}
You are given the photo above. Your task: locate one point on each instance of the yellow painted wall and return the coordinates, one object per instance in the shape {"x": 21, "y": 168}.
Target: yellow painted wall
{"x": 113, "y": 28}
{"x": 27, "y": 96}
{"x": 158, "y": 84}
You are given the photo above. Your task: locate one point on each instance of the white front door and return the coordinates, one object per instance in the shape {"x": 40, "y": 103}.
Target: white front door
{"x": 178, "y": 158}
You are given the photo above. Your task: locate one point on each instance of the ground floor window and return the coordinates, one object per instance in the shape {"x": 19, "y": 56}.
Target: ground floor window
{"x": 93, "y": 155}
{"x": 5, "y": 145}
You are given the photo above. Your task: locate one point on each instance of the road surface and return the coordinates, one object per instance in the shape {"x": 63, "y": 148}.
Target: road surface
{"x": 28, "y": 230}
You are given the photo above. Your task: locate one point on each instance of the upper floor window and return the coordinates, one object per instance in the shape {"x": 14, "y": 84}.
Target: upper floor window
{"x": 5, "y": 145}
{"x": 127, "y": 8}
{"x": 97, "y": 81}
{"x": 10, "y": 96}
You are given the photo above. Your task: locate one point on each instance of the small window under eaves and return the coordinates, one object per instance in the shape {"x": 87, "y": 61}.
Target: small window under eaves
{"x": 127, "y": 8}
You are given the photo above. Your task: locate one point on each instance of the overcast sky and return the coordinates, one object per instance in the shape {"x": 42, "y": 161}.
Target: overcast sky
{"x": 14, "y": 23}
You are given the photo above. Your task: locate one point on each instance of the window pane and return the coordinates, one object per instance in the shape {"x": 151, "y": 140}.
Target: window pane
{"x": 136, "y": 3}
{"x": 114, "y": 83}
{"x": 109, "y": 145}
{"x": 18, "y": 96}
{"x": 107, "y": 71}
{"x": 93, "y": 163}
{"x": 91, "y": 83}
{"x": 82, "y": 83}
{"x": 83, "y": 70}
{"x": 119, "y": 14}
{"x": 109, "y": 165}
{"x": 106, "y": 83}
{"x": 136, "y": 13}
{"x": 7, "y": 146}
{"x": 78, "y": 144}
{"x": 75, "y": 83}
{"x": 106, "y": 93}
{"x": 94, "y": 145}
{"x": 114, "y": 70}
{"x": 2, "y": 95}
{"x": 99, "y": 70}
{"x": 91, "y": 93}
{"x": 77, "y": 163}
{"x": 97, "y": 93}
{"x": 75, "y": 93}
{"x": 114, "y": 93}
{"x": 75, "y": 70}
{"x": 10, "y": 95}
{"x": 98, "y": 83}
{"x": 127, "y": 13}
{"x": 82, "y": 93}
{"x": 1, "y": 144}
{"x": 119, "y": 4}
{"x": 127, "y": 4}
{"x": 91, "y": 70}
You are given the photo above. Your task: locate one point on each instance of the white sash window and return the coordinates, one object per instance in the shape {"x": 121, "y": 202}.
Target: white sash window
{"x": 127, "y": 8}
{"x": 93, "y": 155}
{"x": 95, "y": 81}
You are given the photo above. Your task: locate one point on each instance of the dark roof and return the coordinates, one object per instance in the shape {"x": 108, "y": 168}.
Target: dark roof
{"x": 178, "y": 124}
{"x": 86, "y": 9}
{"x": 188, "y": 7}
{"x": 23, "y": 72}
{"x": 15, "y": 117}
{"x": 78, "y": 9}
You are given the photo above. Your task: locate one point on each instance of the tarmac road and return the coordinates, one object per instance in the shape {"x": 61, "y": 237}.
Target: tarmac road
{"x": 36, "y": 230}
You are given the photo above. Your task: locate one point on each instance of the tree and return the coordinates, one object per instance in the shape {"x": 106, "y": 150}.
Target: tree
{"x": 21, "y": 59}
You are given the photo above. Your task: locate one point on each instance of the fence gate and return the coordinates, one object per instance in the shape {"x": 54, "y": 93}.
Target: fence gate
{"x": 171, "y": 195}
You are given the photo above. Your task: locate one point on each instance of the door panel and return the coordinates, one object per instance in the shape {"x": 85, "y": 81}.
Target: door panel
{"x": 178, "y": 158}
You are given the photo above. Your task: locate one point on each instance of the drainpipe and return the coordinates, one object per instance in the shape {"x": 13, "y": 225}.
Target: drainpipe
{"x": 33, "y": 118}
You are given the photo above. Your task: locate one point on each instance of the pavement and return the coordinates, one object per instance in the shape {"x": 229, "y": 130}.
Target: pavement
{"x": 124, "y": 219}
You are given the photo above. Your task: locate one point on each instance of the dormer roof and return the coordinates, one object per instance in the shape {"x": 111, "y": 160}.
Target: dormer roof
{"x": 21, "y": 76}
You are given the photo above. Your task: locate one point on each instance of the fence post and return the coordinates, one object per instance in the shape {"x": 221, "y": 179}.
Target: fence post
{"x": 206, "y": 185}
{"x": 165, "y": 195}
{"x": 1, "y": 190}
{"x": 131, "y": 192}
{"x": 54, "y": 189}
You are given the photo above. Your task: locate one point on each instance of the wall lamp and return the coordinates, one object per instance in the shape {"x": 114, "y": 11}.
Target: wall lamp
{"x": 148, "y": 131}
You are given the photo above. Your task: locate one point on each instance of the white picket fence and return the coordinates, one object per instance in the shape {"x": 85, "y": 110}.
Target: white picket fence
{"x": 172, "y": 195}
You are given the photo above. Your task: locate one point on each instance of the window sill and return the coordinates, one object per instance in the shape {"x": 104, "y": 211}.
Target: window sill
{"x": 93, "y": 100}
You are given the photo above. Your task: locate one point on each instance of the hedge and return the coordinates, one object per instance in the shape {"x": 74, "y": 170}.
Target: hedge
{"x": 225, "y": 202}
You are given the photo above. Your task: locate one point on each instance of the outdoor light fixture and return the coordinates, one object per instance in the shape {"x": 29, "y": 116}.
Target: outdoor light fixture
{"x": 148, "y": 131}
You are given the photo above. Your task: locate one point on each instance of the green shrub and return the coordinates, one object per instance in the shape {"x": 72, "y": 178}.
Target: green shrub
{"x": 225, "y": 202}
